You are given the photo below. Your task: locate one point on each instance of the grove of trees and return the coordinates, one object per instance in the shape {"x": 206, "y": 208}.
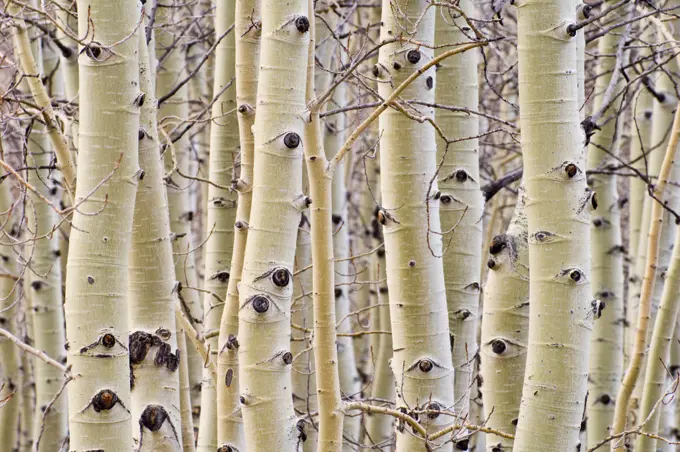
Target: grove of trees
{"x": 339, "y": 225}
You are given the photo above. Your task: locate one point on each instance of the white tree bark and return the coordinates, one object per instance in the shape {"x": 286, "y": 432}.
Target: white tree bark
{"x": 97, "y": 279}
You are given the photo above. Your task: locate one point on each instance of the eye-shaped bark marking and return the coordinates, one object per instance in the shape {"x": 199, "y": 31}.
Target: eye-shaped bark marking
{"x": 107, "y": 340}
{"x": 302, "y": 24}
{"x": 291, "y": 140}
{"x": 104, "y": 400}
{"x": 152, "y": 419}
{"x": 413, "y": 56}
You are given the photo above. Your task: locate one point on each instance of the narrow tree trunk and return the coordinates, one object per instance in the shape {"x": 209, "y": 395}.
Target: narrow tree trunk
{"x": 247, "y": 33}
{"x": 10, "y": 362}
{"x": 505, "y": 328}
{"x": 333, "y": 137}
{"x": 302, "y": 314}
{"x": 410, "y": 217}
{"x": 266, "y": 287}
{"x": 155, "y": 356}
{"x": 558, "y": 212}
{"x": 97, "y": 280}
{"x": 607, "y": 282}
{"x": 221, "y": 212}
{"x": 461, "y": 198}
{"x": 170, "y": 72}
{"x": 658, "y": 359}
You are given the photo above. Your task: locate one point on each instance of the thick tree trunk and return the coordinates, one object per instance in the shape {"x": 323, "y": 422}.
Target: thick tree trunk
{"x": 97, "y": 280}
{"x": 410, "y": 217}
{"x": 155, "y": 355}
{"x": 461, "y": 200}
{"x": 558, "y": 212}
{"x": 266, "y": 287}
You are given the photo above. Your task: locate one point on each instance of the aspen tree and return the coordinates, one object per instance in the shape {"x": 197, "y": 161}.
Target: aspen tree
{"x": 97, "y": 280}
{"x": 606, "y": 343}
{"x": 461, "y": 199}
{"x": 662, "y": 114}
{"x": 422, "y": 351}
{"x": 169, "y": 73}
{"x": 558, "y": 205}
{"x": 154, "y": 353}
{"x": 656, "y": 373}
{"x": 43, "y": 279}
{"x": 325, "y": 344}
{"x": 380, "y": 428}
{"x": 247, "y": 50}
{"x": 221, "y": 211}
{"x": 302, "y": 314}
{"x": 10, "y": 362}
{"x": 266, "y": 287}
{"x": 640, "y": 135}
{"x": 29, "y": 66}
{"x": 333, "y": 139}
{"x": 657, "y": 250}
{"x": 186, "y": 414}
{"x": 505, "y": 327}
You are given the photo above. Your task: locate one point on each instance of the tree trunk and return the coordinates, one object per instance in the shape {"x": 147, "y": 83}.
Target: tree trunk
{"x": 155, "y": 355}
{"x": 221, "y": 212}
{"x": 97, "y": 279}
{"x": 558, "y": 212}
{"x": 266, "y": 287}
{"x": 410, "y": 217}
{"x": 505, "y": 328}
{"x": 461, "y": 200}
{"x": 247, "y": 33}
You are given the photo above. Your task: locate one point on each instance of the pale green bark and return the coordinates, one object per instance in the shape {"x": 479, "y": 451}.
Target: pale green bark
{"x": 266, "y": 287}
{"x": 329, "y": 54}
{"x": 461, "y": 199}
{"x": 229, "y": 419}
{"x": 302, "y": 315}
{"x": 505, "y": 328}
{"x": 97, "y": 280}
{"x": 155, "y": 356}
{"x": 10, "y": 362}
{"x": 607, "y": 282}
{"x": 221, "y": 212}
{"x": 43, "y": 279}
{"x": 656, "y": 374}
{"x": 415, "y": 275}
{"x": 662, "y": 119}
{"x": 380, "y": 428}
{"x": 558, "y": 212}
